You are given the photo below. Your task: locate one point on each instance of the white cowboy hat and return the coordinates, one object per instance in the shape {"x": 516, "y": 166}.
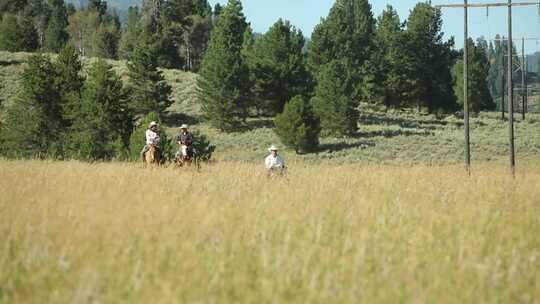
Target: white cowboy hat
{"x": 153, "y": 123}
{"x": 183, "y": 126}
{"x": 273, "y": 148}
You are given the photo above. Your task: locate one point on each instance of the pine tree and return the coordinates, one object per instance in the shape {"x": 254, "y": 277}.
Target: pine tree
{"x": 149, "y": 91}
{"x": 187, "y": 23}
{"x": 33, "y": 123}
{"x": 248, "y": 44}
{"x": 332, "y": 103}
{"x": 247, "y": 55}
{"x": 98, "y": 6}
{"x": 102, "y": 125}
{"x": 297, "y": 126}
{"x": 224, "y": 76}
{"x": 69, "y": 69}
{"x": 11, "y": 6}
{"x": 150, "y": 16}
{"x": 432, "y": 59}
{"x": 493, "y": 70}
{"x": 216, "y": 12}
{"x": 202, "y": 145}
{"x": 345, "y": 35}
{"x": 69, "y": 82}
{"x": 479, "y": 97}
{"x": 106, "y": 41}
{"x": 165, "y": 49}
{"x": 82, "y": 27}
{"x": 170, "y": 36}
{"x": 17, "y": 34}
{"x": 499, "y": 68}
{"x": 131, "y": 34}
{"x": 38, "y": 12}
{"x": 70, "y": 9}
{"x": 391, "y": 59}
{"x": 29, "y": 38}
{"x": 56, "y": 35}
{"x": 343, "y": 42}
{"x": 196, "y": 37}
{"x": 9, "y": 33}
{"x": 278, "y": 64}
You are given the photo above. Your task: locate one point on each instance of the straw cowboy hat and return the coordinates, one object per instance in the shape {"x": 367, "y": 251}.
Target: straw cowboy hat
{"x": 273, "y": 148}
{"x": 183, "y": 126}
{"x": 152, "y": 124}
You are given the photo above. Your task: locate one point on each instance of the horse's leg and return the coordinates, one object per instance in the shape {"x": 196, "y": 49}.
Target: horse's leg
{"x": 151, "y": 156}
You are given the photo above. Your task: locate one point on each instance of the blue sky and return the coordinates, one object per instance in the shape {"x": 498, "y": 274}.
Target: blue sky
{"x": 305, "y": 14}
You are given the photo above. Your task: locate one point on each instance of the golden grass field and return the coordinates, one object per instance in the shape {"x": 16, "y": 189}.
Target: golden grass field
{"x": 116, "y": 233}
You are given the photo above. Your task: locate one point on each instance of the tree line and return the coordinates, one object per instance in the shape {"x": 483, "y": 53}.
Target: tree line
{"x": 351, "y": 58}
{"x": 176, "y": 30}
{"x": 63, "y": 112}
{"x": 311, "y": 88}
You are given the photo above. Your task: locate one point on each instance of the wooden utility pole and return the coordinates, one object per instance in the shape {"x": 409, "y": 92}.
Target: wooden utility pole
{"x": 526, "y": 85}
{"x": 466, "y": 89}
{"x": 466, "y": 5}
{"x": 523, "y": 88}
{"x": 502, "y": 86}
{"x": 510, "y": 93}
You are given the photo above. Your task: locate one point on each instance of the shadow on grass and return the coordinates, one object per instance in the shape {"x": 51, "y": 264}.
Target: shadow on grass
{"x": 260, "y": 123}
{"x": 10, "y": 62}
{"x": 381, "y": 119}
{"x": 255, "y": 123}
{"x": 392, "y": 133}
{"x": 340, "y": 146}
{"x": 177, "y": 119}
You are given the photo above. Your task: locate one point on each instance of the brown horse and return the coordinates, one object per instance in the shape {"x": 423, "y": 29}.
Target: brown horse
{"x": 184, "y": 159}
{"x": 151, "y": 156}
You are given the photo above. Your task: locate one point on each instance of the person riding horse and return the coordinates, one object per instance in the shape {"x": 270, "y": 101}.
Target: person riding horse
{"x": 152, "y": 138}
{"x": 185, "y": 141}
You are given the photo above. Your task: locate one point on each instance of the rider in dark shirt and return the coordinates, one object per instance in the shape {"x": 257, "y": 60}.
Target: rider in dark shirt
{"x": 185, "y": 138}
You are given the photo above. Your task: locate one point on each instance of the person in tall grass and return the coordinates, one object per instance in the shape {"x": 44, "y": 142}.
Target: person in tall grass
{"x": 152, "y": 138}
{"x": 274, "y": 163}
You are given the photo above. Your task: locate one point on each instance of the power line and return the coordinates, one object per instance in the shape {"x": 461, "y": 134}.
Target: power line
{"x": 522, "y": 67}
{"x": 465, "y": 6}
{"x": 476, "y": 5}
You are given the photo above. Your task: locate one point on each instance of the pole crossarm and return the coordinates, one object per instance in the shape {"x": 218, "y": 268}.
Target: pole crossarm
{"x": 473, "y": 5}
{"x": 504, "y": 39}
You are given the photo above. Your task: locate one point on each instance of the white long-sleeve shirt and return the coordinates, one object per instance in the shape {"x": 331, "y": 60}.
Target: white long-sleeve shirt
{"x": 152, "y": 137}
{"x": 272, "y": 162}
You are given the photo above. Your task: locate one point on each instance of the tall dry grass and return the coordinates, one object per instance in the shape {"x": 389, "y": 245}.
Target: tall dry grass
{"x": 116, "y": 233}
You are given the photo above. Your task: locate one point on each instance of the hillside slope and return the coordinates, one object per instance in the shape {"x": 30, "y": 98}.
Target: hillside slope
{"x": 395, "y": 137}
{"x": 183, "y": 83}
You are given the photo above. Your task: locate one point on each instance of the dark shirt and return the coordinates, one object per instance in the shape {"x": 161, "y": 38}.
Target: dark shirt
{"x": 185, "y": 138}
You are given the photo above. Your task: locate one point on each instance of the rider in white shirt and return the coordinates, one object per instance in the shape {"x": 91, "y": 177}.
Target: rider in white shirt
{"x": 274, "y": 161}
{"x": 152, "y": 138}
